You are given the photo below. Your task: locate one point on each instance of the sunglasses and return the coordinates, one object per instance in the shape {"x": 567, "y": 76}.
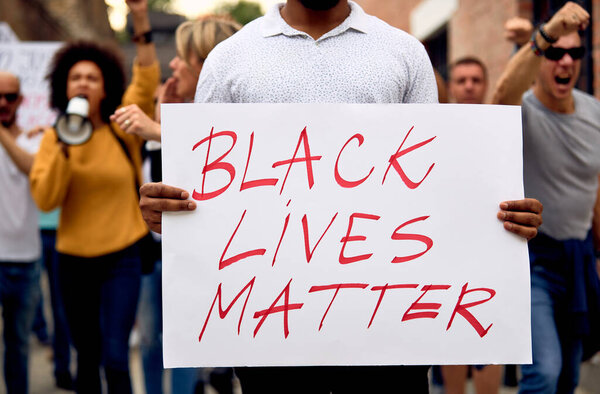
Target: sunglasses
{"x": 10, "y": 97}
{"x": 554, "y": 53}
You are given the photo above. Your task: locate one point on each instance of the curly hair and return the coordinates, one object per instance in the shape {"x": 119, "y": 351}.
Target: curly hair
{"x": 106, "y": 57}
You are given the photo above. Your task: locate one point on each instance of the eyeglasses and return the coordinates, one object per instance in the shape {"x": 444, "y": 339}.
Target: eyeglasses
{"x": 554, "y": 53}
{"x": 10, "y": 97}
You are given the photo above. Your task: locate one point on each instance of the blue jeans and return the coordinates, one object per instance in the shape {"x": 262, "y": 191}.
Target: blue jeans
{"x": 19, "y": 297}
{"x": 100, "y": 298}
{"x": 183, "y": 380}
{"x": 556, "y": 353}
{"x": 61, "y": 343}
{"x": 40, "y": 326}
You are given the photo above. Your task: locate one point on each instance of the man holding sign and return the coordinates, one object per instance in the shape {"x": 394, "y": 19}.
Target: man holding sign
{"x": 321, "y": 52}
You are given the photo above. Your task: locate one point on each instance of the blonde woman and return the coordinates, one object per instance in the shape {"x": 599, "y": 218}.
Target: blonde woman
{"x": 194, "y": 40}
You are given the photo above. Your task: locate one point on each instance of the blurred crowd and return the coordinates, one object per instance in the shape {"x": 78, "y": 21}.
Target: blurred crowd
{"x": 96, "y": 176}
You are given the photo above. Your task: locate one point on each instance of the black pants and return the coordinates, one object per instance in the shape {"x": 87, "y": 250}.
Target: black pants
{"x": 100, "y": 297}
{"x": 336, "y": 380}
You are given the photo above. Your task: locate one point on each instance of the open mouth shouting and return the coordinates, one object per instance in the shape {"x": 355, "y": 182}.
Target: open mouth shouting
{"x": 563, "y": 79}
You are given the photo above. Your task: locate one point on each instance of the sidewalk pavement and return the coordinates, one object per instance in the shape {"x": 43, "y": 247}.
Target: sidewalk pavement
{"x": 42, "y": 381}
{"x": 41, "y": 378}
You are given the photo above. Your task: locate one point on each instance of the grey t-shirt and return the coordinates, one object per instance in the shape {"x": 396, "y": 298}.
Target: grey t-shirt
{"x": 561, "y": 163}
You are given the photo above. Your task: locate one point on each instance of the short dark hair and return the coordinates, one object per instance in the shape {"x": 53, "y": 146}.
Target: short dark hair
{"x": 105, "y": 56}
{"x": 469, "y": 60}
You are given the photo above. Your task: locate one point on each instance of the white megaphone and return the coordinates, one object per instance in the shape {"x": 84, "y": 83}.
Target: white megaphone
{"x": 73, "y": 127}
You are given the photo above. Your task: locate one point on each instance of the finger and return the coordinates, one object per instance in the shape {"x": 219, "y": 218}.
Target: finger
{"x": 156, "y": 227}
{"x": 509, "y": 23}
{"x": 523, "y": 231}
{"x": 524, "y": 205}
{"x": 133, "y": 109}
{"x": 521, "y": 218}
{"x": 129, "y": 123}
{"x": 579, "y": 15}
{"x": 583, "y": 17}
{"x": 151, "y": 216}
{"x": 122, "y": 110}
{"x": 120, "y": 117}
{"x": 160, "y": 190}
{"x": 582, "y": 13}
{"x": 170, "y": 86}
{"x": 170, "y": 83}
{"x": 35, "y": 131}
{"x": 584, "y": 25}
{"x": 165, "y": 205}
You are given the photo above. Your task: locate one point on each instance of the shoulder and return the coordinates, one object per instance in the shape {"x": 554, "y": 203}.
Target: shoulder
{"x": 226, "y": 55}
{"x": 532, "y": 109}
{"x": 585, "y": 99}
{"x": 244, "y": 38}
{"x": 408, "y": 58}
{"x": 528, "y": 96}
{"x": 402, "y": 48}
{"x": 390, "y": 35}
{"x": 587, "y": 108}
{"x": 529, "y": 101}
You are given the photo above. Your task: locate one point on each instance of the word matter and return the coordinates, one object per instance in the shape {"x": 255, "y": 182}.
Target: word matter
{"x": 417, "y": 310}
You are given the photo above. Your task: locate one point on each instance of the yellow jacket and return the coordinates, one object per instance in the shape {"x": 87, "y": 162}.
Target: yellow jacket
{"x": 95, "y": 186}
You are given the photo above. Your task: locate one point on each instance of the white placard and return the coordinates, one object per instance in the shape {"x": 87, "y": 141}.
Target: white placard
{"x": 330, "y": 234}
{"x": 29, "y": 61}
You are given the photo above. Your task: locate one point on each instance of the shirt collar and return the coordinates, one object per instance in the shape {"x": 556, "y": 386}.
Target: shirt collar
{"x": 273, "y": 24}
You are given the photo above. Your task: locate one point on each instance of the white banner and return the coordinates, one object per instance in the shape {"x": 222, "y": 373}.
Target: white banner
{"x": 30, "y": 61}
{"x": 343, "y": 235}
{"x": 7, "y": 34}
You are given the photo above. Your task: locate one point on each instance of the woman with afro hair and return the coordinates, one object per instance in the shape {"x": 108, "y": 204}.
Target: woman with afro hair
{"x": 95, "y": 185}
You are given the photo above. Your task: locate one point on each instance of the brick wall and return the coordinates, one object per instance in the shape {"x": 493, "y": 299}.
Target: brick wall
{"x": 477, "y": 29}
{"x": 394, "y": 12}
{"x": 525, "y": 9}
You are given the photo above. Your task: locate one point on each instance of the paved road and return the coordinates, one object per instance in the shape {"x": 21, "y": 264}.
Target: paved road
{"x": 42, "y": 382}
{"x": 41, "y": 373}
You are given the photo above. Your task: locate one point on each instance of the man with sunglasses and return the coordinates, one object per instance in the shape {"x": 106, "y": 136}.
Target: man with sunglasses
{"x": 561, "y": 156}
{"x": 19, "y": 239}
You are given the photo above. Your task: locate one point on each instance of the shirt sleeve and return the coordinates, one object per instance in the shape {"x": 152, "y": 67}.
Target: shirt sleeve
{"x": 144, "y": 82}
{"x": 50, "y": 174}
{"x": 143, "y": 85}
{"x": 212, "y": 87}
{"x": 422, "y": 88}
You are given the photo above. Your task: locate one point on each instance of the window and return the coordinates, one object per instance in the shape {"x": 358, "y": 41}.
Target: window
{"x": 437, "y": 48}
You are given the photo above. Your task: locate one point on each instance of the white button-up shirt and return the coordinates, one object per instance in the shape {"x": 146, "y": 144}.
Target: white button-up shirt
{"x": 363, "y": 60}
